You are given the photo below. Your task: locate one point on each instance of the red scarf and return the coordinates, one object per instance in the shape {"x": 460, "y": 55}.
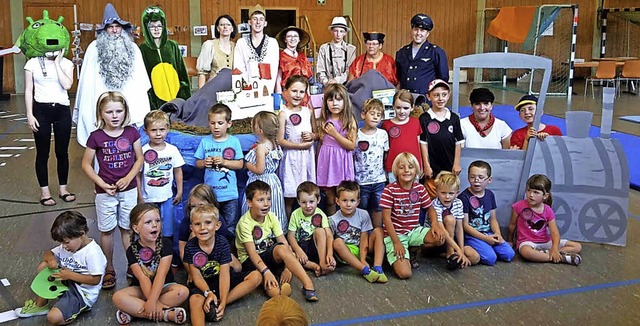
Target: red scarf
{"x": 479, "y": 129}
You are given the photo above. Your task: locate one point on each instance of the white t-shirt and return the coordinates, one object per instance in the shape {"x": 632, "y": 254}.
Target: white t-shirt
{"x": 87, "y": 261}
{"x": 157, "y": 172}
{"x": 369, "y": 157}
{"x": 472, "y": 138}
{"x": 47, "y": 89}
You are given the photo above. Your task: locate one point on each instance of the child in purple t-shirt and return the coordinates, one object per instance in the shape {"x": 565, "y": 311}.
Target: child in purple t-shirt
{"x": 538, "y": 236}
{"x": 118, "y": 154}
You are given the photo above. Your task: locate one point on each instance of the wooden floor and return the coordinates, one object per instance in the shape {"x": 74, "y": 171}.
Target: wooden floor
{"x": 604, "y": 290}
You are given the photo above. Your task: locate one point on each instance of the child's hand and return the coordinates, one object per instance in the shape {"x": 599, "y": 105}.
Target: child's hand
{"x": 330, "y": 129}
{"x": 217, "y": 161}
{"x": 398, "y": 249}
{"x": 554, "y": 255}
{"x": 220, "y": 311}
{"x": 532, "y": 132}
{"x": 110, "y": 189}
{"x": 270, "y": 281}
{"x": 177, "y": 199}
{"x": 428, "y": 172}
{"x": 302, "y": 257}
{"x": 207, "y": 302}
{"x": 542, "y": 135}
{"x": 286, "y": 276}
{"x": 498, "y": 238}
{"x": 307, "y": 136}
{"x": 306, "y": 145}
{"x": 208, "y": 162}
{"x": 464, "y": 261}
{"x": 438, "y": 232}
{"x": 514, "y": 147}
{"x": 331, "y": 262}
{"x": 63, "y": 274}
{"x": 122, "y": 184}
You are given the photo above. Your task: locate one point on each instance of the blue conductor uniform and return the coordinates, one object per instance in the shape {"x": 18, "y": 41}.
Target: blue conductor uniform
{"x": 415, "y": 74}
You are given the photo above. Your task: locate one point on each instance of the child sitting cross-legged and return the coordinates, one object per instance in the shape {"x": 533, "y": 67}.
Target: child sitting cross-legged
{"x": 262, "y": 245}
{"x": 448, "y": 213}
{"x": 81, "y": 265}
{"x": 209, "y": 259}
{"x": 309, "y": 233}
{"x": 355, "y": 236}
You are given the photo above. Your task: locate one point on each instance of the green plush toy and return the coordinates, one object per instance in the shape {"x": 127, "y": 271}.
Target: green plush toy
{"x": 43, "y": 37}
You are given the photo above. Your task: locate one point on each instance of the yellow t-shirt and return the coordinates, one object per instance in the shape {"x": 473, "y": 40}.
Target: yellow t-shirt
{"x": 262, "y": 234}
{"x": 304, "y": 226}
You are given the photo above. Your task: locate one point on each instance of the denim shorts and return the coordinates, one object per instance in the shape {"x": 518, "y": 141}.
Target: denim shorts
{"x": 370, "y": 196}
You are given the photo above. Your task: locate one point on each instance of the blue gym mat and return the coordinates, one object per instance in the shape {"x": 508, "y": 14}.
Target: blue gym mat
{"x": 631, "y": 118}
{"x": 630, "y": 143}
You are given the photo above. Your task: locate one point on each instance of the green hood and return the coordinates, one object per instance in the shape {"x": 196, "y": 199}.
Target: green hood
{"x": 42, "y": 36}
{"x": 152, "y": 14}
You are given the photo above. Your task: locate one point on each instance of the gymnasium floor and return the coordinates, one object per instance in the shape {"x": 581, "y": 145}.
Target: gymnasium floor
{"x": 603, "y": 290}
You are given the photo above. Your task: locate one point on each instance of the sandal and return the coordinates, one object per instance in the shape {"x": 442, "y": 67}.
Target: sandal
{"x": 310, "y": 295}
{"x": 123, "y": 317}
{"x": 109, "y": 280}
{"x": 179, "y": 315}
{"x": 571, "y": 258}
{"x": 48, "y": 201}
{"x": 413, "y": 258}
{"x": 452, "y": 262}
{"x": 66, "y": 199}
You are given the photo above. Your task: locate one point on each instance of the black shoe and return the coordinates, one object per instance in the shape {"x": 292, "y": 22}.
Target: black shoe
{"x": 452, "y": 262}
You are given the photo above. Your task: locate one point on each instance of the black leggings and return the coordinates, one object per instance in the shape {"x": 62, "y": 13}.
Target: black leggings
{"x": 58, "y": 116}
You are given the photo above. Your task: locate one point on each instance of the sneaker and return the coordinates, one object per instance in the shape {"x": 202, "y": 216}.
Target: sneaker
{"x": 30, "y": 309}
{"x": 382, "y": 278}
{"x": 372, "y": 276}
{"x": 310, "y": 295}
{"x": 123, "y": 317}
{"x": 452, "y": 262}
{"x": 571, "y": 258}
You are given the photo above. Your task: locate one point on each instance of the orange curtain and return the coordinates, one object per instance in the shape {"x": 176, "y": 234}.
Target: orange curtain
{"x": 512, "y": 23}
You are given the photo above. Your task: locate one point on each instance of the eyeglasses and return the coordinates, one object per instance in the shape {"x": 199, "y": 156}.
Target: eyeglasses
{"x": 156, "y": 27}
{"x": 480, "y": 178}
{"x": 372, "y": 44}
{"x": 292, "y": 36}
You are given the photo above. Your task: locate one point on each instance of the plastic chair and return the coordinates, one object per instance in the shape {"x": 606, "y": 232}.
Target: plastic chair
{"x": 630, "y": 73}
{"x": 606, "y": 72}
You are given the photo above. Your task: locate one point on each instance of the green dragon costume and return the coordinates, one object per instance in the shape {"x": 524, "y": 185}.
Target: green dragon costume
{"x": 165, "y": 66}
{"x": 43, "y": 37}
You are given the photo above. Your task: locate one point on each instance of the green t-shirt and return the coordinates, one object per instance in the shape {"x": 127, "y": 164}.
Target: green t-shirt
{"x": 304, "y": 226}
{"x": 262, "y": 234}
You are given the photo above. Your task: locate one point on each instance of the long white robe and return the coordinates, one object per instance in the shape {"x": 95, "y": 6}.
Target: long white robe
{"x": 91, "y": 86}
{"x": 243, "y": 56}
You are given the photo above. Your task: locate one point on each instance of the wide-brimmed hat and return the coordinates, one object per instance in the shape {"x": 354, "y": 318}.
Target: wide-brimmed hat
{"x": 111, "y": 16}
{"x": 339, "y": 22}
{"x": 527, "y": 99}
{"x": 304, "y": 36}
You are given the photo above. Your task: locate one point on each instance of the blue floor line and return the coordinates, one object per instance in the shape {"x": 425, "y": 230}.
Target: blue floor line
{"x": 475, "y": 304}
{"x": 634, "y": 216}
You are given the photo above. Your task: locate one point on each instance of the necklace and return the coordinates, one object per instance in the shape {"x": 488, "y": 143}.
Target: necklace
{"x": 481, "y": 130}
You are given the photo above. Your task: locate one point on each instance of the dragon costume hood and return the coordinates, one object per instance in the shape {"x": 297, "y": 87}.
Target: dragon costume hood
{"x": 151, "y": 14}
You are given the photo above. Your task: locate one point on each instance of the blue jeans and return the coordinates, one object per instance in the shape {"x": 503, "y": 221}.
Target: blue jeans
{"x": 229, "y": 214}
{"x": 488, "y": 253}
{"x": 370, "y": 196}
{"x": 166, "y": 214}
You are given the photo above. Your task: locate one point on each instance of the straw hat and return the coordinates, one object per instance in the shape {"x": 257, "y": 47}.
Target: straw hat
{"x": 304, "y": 37}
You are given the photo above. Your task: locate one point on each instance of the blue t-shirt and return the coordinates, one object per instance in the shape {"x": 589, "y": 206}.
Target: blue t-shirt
{"x": 223, "y": 180}
{"x": 208, "y": 264}
{"x": 479, "y": 209}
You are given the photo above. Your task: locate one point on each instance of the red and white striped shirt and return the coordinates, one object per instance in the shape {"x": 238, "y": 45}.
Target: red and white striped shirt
{"x": 405, "y": 205}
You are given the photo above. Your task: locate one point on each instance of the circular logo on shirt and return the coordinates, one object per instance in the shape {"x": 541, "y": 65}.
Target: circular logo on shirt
{"x": 527, "y": 213}
{"x": 316, "y": 220}
{"x": 200, "y": 259}
{"x": 146, "y": 254}
{"x": 474, "y": 201}
{"x": 414, "y": 197}
{"x": 295, "y": 119}
{"x": 450, "y": 129}
{"x": 446, "y": 212}
{"x": 433, "y": 127}
{"x": 122, "y": 144}
{"x": 228, "y": 153}
{"x": 363, "y": 145}
{"x": 257, "y": 233}
{"x": 150, "y": 156}
{"x": 394, "y": 132}
{"x": 343, "y": 226}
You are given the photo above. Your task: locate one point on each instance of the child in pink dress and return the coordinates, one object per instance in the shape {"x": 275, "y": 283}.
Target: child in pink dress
{"x": 337, "y": 129}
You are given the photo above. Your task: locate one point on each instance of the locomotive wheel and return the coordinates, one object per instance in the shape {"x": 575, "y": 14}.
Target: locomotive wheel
{"x": 602, "y": 214}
